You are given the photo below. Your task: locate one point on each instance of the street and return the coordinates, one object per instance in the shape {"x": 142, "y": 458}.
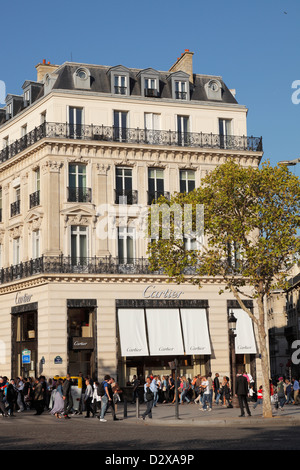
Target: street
{"x": 27, "y": 431}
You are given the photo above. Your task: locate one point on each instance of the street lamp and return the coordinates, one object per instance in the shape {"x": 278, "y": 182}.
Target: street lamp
{"x": 232, "y": 327}
{"x": 289, "y": 162}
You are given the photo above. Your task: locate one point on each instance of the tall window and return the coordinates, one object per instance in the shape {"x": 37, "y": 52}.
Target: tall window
{"x": 225, "y": 131}
{"x": 126, "y": 245}
{"x": 123, "y": 185}
{"x": 75, "y": 122}
{"x": 120, "y": 84}
{"x": 187, "y": 181}
{"x": 120, "y": 126}
{"x": 1, "y": 218}
{"x": 180, "y": 90}
{"x": 79, "y": 244}
{"x": 36, "y": 244}
{"x": 152, "y": 124}
{"x": 78, "y": 191}
{"x": 182, "y": 129}
{"x": 16, "y": 251}
{"x": 155, "y": 184}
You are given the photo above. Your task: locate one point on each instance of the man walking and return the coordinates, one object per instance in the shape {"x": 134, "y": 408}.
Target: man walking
{"x": 217, "y": 388}
{"x": 67, "y": 396}
{"x": 107, "y": 398}
{"x": 149, "y": 396}
{"x": 296, "y": 391}
{"x": 241, "y": 390}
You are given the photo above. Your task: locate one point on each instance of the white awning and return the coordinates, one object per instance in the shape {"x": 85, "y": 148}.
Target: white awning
{"x": 164, "y": 332}
{"x": 245, "y": 339}
{"x": 195, "y": 331}
{"x": 132, "y": 332}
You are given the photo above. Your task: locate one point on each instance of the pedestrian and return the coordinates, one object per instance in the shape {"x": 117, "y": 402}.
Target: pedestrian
{"x": 184, "y": 390}
{"x": 281, "y": 393}
{"x": 171, "y": 389}
{"x": 288, "y": 391}
{"x": 295, "y": 391}
{"x": 149, "y": 395}
{"x": 106, "y": 398}
{"x": 11, "y": 397}
{"x": 241, "y": 390}
{"x": 259, "y": 397}
{"x": 3, "y": 392}
{"x": 135, "y": 392}
{"x": 67, "y": 396}
{"x": 20, "y": 397}
{"x": 211, "y": 389}
{"x": 154, "y": 385}
{"x": 88, "y": 397}
{"x": 217, "y": 388}
{"x": 38, "y": 396}
{"x": 96, "y": 401}
{"x": 164, "y": 389}
{"x": 58, "y": 404}
{"x": 206, "y": 394}
{"x": 252, "y": 393}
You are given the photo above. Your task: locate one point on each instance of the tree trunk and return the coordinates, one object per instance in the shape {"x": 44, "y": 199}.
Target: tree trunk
{"x": 262, "y": 336}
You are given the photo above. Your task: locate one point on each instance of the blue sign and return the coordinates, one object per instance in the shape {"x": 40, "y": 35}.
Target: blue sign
{"x": 57, "y": 360}
{"x": 26, "y": 356}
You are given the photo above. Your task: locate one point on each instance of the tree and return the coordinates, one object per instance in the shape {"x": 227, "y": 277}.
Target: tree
{"x": 251, "y": 213}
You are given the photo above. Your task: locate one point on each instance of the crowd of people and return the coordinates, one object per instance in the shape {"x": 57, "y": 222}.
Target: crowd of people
{"x": 54, "y": 395}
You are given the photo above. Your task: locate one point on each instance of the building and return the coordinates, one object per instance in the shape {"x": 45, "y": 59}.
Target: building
{"x": 78, "y": 143}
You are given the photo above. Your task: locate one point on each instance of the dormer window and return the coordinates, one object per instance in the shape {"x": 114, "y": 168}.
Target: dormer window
{"x": 27, "y": 97}
{"x": 82, "y": 78}
{"x": 120, "y": 84}
{"x": 180, "y": 85}
{"x": 119, "y": 80}
{"x": 213, "y": 90}
{"x": 149, "y": 83}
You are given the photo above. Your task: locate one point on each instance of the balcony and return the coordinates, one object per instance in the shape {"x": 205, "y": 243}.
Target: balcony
{"x": 126, "y": 196}
{"x": 34, "y": 199}
{"x": 153, "y": 196}
{"x": 120, "y": 90}
{"x": 52, "y": 130}
{"x": 78, "y": 194}
{"x": 15, "y": 208}
{"x": 180, "y": 95}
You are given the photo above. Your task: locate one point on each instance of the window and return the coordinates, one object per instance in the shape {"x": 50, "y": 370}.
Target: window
{"x": 78, "y": 191}
{"x": 152, "y": 124}
{"x": 124, "y": 193}
{"x": 24, "y": 130}
{"x": 27, "y": 97}
{"x": 5, "y": 142}
{"x": 79, "y": 245}
{"x": 82, "y": 78}
{"x": 126, "y": 245}
{"x": 234, "y": 255}
{"x": 180, "y": 90}
{"x": 34, "y": 198}
{"x": 43, "y": 117}
{"x": 155, "y": 184}
{"x": 225, "y": 131}
{"x": 187, "y": 181}
{"x": 75, "y": 122}
{"x": 190, "y": 243}
{"x": 120, "y": 126}
{"x": 36, "y": 244}
{"x": 120, "y": 84}
{"x": 150, "y": 85}
{"x": 37, "y": 179}
{"x": 183, "y": 130}
{"x": 1, "y": 204}
{"x": 16, "y": 205}
{"x": 16, "y": 251}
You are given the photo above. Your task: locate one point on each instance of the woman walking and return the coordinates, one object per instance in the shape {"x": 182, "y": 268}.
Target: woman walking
{"x": 58, "y": 406}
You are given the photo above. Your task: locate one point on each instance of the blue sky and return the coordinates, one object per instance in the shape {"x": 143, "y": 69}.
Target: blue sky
{"x": 253, "y": 45}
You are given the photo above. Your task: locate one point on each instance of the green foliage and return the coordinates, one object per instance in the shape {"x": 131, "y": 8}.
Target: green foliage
{"x": 254, "y": 209}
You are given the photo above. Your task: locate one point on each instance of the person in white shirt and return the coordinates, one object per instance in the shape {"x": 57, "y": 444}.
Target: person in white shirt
{"x": 206, "y": 394}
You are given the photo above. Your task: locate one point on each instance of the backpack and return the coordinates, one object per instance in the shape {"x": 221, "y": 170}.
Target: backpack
{"x": 149, "y": 394}
{"x": 101, "y": 389}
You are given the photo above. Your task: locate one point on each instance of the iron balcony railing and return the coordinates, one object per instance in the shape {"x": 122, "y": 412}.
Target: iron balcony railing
{"x": 126, "y": 196}
{"x": 132, "y": 136}
{"x": 15, "y": 208}
{"x": 34, "y": 199}
{"x": 153, "y": 196}
{"x": 78, "y": 194}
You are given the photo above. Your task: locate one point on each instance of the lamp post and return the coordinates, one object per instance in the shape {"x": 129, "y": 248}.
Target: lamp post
{"x": 232, "y": 327}
{"x": 289, "y": 162}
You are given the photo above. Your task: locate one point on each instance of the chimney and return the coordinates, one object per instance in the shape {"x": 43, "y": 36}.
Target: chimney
{"x": 184, "y": 63}
{"x": 43, "y": 68}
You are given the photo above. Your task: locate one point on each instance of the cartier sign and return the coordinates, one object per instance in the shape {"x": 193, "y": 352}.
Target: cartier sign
{"x": 82, "y": 343}
{"x": 22, "y": 298}
{"x": 153, "y": 292}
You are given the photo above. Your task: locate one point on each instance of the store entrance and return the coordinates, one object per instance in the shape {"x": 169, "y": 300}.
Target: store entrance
{"x": 81, "y": 341}
{"x": 24, "y": 344}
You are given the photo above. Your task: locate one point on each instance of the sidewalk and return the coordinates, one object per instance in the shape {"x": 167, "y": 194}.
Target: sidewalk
{"x": 191, "y": 415}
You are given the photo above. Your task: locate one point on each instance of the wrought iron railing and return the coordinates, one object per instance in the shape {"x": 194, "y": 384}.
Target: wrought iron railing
{"x": 78, "y": 194}
{"x": 15, "y": 208}
{"x": 153, "y": 196}
{"x": 132, "y": 136}
{"x": 34, "y": 199}
{"x": 126, "y": 196}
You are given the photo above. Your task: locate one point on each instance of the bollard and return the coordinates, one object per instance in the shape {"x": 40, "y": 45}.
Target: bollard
{"x": 137, "y": 407}
{"x": 125, "y": 407}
